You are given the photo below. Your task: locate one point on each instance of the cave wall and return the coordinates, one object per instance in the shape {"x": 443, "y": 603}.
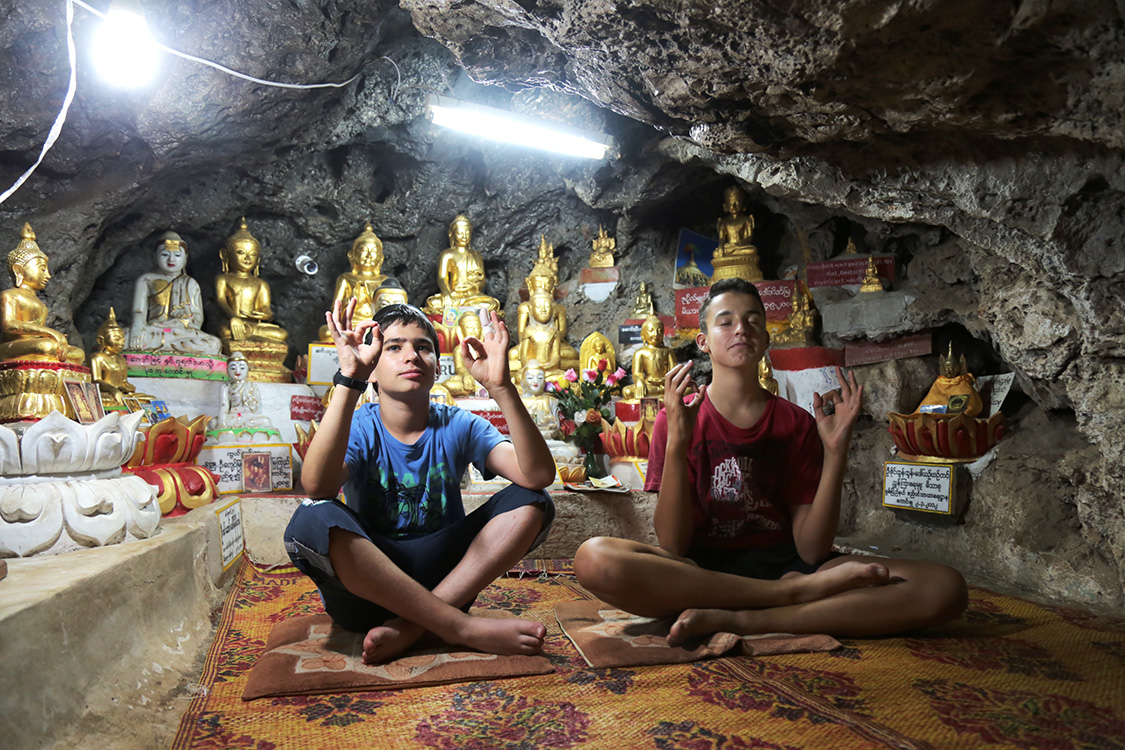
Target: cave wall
{"x": 979, "y": 143}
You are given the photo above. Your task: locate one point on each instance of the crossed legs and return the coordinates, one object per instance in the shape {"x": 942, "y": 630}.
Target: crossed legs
{"x": 847, "y": 596}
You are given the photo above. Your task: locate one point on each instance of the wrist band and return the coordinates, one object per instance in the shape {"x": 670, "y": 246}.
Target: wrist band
{"x": 356, "y": 385}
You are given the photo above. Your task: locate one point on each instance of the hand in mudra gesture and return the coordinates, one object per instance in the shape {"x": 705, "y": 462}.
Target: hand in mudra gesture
{"x": 486, "y": 358}
{"x": 837, "y": 411}
{"x": 357, "y": 356}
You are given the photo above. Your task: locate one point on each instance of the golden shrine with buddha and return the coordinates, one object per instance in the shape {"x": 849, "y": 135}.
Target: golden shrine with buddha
{"x": 245, "y": 299}
{"x": 109, "y": 368}
{"x": 541, "y": 321}
{"x": 736, "y": 256}
{"x": 35, "y": 359}
{"x": 651, "y": 363}
{"x": 363, "y": 281}
{"x": 460, "y": 276}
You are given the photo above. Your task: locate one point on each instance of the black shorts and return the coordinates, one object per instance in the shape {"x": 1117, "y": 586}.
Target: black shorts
{"x": 427, "y": 559}
{"x": 763, "y": 563}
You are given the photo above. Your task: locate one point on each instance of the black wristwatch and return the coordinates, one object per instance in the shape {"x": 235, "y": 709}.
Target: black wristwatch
{"x": 356, "y": 385}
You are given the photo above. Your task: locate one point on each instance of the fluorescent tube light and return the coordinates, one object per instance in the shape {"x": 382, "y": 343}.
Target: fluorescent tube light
{"x": 500, "y": 125}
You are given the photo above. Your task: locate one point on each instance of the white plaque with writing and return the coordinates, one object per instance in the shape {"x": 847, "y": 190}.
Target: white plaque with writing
{"x": 446, "y": 367}
{"x": 225, "y": 461}
{"x": 324, "y": 361}
{"x": 924, "y": 487}
{"x": 231, "y": 541}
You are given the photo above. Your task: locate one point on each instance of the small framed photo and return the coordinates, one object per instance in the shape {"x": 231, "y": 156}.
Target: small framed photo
{"x": 256, "y": 472}
{"x": 76, "y": 392}
{"x": 132, "y": 403}
{"x": 159, "y": 411}
{"x": 94, "y": 397}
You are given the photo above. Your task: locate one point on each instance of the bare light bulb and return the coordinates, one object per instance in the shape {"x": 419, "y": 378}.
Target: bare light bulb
{"x": 124, "y": 50}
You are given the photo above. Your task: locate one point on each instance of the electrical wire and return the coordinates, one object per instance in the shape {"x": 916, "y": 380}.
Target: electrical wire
{"x": 60, "y": 119}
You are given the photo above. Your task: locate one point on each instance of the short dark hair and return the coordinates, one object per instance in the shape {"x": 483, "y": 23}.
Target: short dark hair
{"x": 405, "y": 315}
{"x": 737, "y": 285}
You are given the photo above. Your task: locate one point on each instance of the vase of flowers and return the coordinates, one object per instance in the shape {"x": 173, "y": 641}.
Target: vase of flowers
{"x": 583, "y": 402}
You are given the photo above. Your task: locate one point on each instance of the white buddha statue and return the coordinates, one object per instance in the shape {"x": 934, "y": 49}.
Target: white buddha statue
{"x": 241, "y": 402}
{"x": 168, "y": 306}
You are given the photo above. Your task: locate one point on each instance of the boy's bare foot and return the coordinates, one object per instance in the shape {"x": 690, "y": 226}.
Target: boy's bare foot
{"x": 693, "y": 623}
{"x": 385, "y": 642}
{"x": 502, "y": 636}
{"x": 843, "y": 577}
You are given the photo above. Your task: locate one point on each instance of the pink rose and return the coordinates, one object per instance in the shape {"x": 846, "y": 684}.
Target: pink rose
{"x": 550, "y": 387}
{"x": 602, "y": 365}
{"x": 571, "y": 375}
{"x": 618, "y": 374}
{"x": 567, "y": 427}
{"x": 611, "y": 379}
{"x": 589, "y": 375}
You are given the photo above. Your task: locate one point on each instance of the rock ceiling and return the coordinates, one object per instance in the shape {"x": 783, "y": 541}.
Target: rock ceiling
{"x": 980, "y": 140}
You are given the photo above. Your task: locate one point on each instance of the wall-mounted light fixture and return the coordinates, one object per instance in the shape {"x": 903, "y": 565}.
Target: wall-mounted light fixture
{"x": 501, "y": 125}
{"x": 124, "y": 51}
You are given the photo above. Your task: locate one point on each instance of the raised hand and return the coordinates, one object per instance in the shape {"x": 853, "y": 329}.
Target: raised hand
{"x": 357, "y": 358}
{"x": 487, "y": 359}
{"x": 835, "y": 422}
{"x": 681, "y": 416}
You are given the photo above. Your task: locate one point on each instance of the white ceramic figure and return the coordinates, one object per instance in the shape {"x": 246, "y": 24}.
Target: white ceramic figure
{"x": 168, "y": 306}
{"x": 241, "y": 402}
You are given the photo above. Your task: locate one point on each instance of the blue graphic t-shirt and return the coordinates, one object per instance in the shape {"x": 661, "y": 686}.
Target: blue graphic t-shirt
{"x": 405, "y": 491}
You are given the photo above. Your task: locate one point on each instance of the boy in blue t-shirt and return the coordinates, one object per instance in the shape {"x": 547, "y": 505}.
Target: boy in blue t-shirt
{"x": 399, "y": 557}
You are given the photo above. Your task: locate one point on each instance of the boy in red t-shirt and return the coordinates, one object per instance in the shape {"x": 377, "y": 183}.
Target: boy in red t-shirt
{"x": 749, "y": 505}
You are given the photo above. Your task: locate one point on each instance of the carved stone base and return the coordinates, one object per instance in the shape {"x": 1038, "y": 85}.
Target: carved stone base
{"x": 266, "y": 359}
{"x": 31, "y": 389}
{"x": 92, "y": 512}
{"x": 738, "y": 267}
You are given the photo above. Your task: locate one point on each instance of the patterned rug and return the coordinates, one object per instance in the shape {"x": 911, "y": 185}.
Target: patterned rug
{"x": 1009, "y": 674}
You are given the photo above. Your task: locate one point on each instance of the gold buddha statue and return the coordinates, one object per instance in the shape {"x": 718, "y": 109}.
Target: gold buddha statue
{"x": 800, "y": 329}
{"x": 461, "y": 382}
{"x": 595, "y": 348}
{"x": 363, "y": 281}
{"x": 460, "y": 274}
{"x": 765, "y": 375}
{"x": 851, "y": 249}
{"x": 736, "y": 255}
{"x": 871, "y": 281}
{"x": 34, "y": 358}
{"x": 541, "y": 321}
{"x": 246, "y": 299}
{"x": 651, "y": 363}
{"x": 601, "y": 255}
{"x": 109, "y": 369}
{"x": 390, "y": 292}
{"x": 642, "y": 305}
{"x": 954, "y": 391}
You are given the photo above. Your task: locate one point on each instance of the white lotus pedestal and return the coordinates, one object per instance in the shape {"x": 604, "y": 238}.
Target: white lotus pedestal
{"x": 61, "y": 485}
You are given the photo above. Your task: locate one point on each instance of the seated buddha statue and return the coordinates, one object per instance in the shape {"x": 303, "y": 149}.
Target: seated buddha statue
{"x": 460, "y": 274}
{"x": 595, "y": 348}
{"x": 542, "y": 406}
{"x": 736, "y": 255}
{"x": 601, "y": 254}
{"x": 363, "y": 281}
{"x": 765, "y": 376}
{"x": 168, "y": 305}
{"x": 246, "y": 299}
{"x": 240, "y": 404}
{"x": 954, "y": 391}
{"x": 109, "y": 369}
{"x": 800, "y": 329}
{"x": 390, "y": 292}
{"x": 543, "y": 319}
{"x": 650, "y": 363}
{"x": 461, "y": 382}
{"x": 642, "y": 305}
{"x": 871, "y": 281}
{"x": 23, "y": 316}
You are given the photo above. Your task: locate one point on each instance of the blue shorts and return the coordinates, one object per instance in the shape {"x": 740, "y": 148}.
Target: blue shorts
{"x": 427, "y": 559}
{"x": 763, "y": 563}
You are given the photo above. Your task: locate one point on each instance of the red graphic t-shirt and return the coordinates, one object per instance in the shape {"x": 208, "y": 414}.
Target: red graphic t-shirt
{"x": 745, "y": 481}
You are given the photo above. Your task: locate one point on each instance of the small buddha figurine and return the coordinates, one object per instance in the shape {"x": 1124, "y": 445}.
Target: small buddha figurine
{"x": 363, "y": 281}
{"x": 109, "y": 368}
{"x": 461, "y": 382}
{"x": 954, "y": 391}
{"x": 23, "y": 316}
{"x": 595, "y": 348}
{"x": 871, "y": 281}
{"x": 390, "y": 292}
{"x": 168, "y": 305}
{"x": 850, "y": 249}
{"x": 246, "y": 299}
{"x": 765, "y": 375}
{"x": 460, "y": 273}
{"x": 642, "y": 305}
{"x": 801, "y": 327}
{"x": 542, "y": 406}
{"x": 240, "y": 402}
{"x": 650, "y": 363}
{"x": 736, "y": 255}
{"x": 541, "y": 320}
{"x": 601, "y": 256}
